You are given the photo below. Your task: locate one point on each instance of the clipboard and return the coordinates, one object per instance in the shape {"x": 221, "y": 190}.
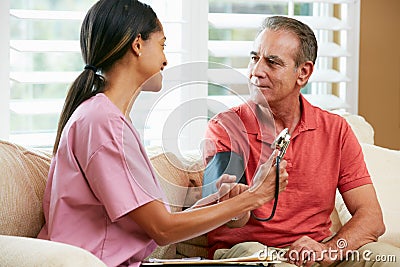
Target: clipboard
{"x": 260, "y": 258}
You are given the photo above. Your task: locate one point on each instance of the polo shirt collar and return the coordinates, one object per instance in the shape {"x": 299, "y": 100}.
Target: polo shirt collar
{"x": 252, "y": 126}
{"x": 307, "y": 121}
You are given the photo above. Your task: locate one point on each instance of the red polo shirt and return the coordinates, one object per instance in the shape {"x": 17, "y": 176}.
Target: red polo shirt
{"x": 323, "y": 155}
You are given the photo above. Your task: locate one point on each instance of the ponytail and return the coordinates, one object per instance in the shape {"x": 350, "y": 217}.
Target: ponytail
{"x": 107, "y": 33}
{"x": 84, "y": 87}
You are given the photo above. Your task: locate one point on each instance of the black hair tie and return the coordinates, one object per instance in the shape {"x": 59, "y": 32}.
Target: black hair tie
{"x": 91, "y": 67}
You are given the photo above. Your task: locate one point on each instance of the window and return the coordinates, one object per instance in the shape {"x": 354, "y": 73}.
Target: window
{"x": 44, "y": 58}
{"x": 233, "y": 25}
{"x": 156, "y": 116}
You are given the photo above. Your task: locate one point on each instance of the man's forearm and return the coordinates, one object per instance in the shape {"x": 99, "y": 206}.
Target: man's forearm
{"x": 359, "y": 230}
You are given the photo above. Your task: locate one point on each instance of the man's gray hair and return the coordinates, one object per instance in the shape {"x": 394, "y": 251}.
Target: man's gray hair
{"x": 308, "y": 43}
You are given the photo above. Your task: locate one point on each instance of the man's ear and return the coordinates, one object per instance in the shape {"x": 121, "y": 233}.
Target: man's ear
{"x": 305, "y": 71}
{"x": 137, "y": 45}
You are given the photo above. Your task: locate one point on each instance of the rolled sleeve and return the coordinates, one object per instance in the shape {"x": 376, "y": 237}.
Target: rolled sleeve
{"x": 353, "y": 170}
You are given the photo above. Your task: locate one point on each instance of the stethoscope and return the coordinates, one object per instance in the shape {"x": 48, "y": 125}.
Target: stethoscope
{"x": 281, "y": 143}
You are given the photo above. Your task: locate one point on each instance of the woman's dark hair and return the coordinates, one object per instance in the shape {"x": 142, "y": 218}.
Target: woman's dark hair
{"x": 107, "y": 32}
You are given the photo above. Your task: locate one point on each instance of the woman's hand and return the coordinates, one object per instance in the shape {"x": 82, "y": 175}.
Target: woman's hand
{"x": 264, "y": 181}
{"x": 166, "y": 227}
{"x": 227, "y": 188}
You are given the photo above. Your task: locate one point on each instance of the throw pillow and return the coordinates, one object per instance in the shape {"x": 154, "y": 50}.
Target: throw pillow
{"x": 23, "y": 176}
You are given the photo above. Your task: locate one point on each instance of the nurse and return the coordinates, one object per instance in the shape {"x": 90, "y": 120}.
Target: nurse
{"x": 102, "y": 193}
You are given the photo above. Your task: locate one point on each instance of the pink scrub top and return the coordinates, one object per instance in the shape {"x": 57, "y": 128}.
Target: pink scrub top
{"x": 99, "y": 174}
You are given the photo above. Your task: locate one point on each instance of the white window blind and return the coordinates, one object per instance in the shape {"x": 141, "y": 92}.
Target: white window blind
{"x": 44, "y": 60}
{"x": 233, "y": 25}
{"x": 42, "y": 44}
{"x": 185, "y": 26}
{"x": 41, "y": 56}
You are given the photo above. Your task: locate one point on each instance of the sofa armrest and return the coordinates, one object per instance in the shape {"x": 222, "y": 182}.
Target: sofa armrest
{"x": 361, "y": 128}
{"x": 24, "y": 251}
{"x": 383, "y": 166}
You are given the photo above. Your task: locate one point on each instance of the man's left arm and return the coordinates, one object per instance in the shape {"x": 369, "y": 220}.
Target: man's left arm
{"x": 359, "y": 195}
{"x": 366, "y": 224}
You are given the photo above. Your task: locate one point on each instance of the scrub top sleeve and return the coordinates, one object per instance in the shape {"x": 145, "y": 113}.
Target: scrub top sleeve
{"x": 116, "y": 185}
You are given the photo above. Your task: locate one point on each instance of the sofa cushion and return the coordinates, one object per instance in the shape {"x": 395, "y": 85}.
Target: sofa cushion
{"x": 23, "y": 176}
{"x": 195, "y": 247}
{"x": 26, "y": 252}
{"x": 361, "y": 128}
{"x": 384, "y": 167}
{"x": 195, "y": 169}
{"x": 172, "y": 175}
{"x": 174, "y": 181}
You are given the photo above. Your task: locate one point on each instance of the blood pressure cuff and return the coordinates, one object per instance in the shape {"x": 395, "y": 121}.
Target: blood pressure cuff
{"x": 222, "y": 163}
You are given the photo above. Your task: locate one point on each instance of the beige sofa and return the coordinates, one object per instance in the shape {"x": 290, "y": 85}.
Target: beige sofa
{"x": 23, "y": 174}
